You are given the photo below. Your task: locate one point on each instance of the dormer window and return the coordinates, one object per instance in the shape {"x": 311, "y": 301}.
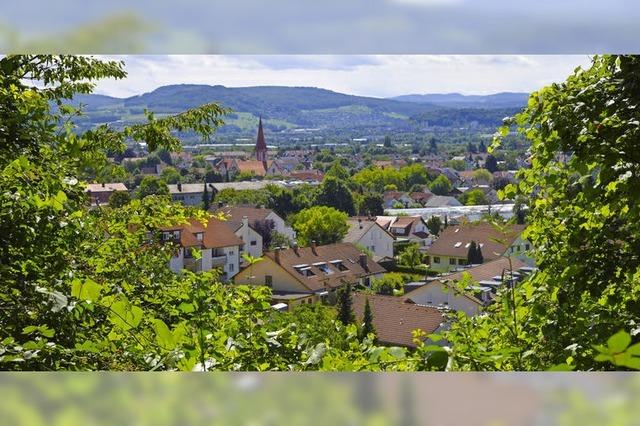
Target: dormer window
{"x": 323, "y": 267}
{"x": 199, "y": 236}
{"x": 339, "y": 265}
{"x": 305, "y": 271}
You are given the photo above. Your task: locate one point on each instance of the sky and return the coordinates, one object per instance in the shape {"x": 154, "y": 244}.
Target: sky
{"x": 363, "y": 75}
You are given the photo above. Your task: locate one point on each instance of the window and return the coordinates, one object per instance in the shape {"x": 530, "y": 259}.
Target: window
{"x": 527, "y": 246}
{"x": 324, "y": 268}
{"x": 199, "y": 236}
{"x": 231, "y": 253}
{"x": 253, "y": 243}
{"x": 452, "y": 261}
{"x": 268, "y": 280}
{"x": 462, "y": 261}
{"x": 436, "y": 259}
{"x": 231, "y": 266}
{"x": 339, "y": 265}
{"x": 188, "y": 254}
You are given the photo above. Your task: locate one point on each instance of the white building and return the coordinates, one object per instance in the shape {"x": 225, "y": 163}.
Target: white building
{"x": 218, "y": 246}
{"x": 370, "y": 235}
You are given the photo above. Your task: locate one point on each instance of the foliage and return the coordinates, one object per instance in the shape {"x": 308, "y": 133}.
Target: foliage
{"x": 389, "y": 283}
{"x": 324, "y": 225}
{"x": 441, "y": 185}
{"x": 482, "y": 176}
{"x": 474, "y": 197}
{"x": 371, "y": 205}
{"x": 170, "y": 175}
{"x": 151, "y": 185}
{"x": 434, "y": 224}
{"x": 345, "y": 305}
{"x": 411, "y": 256}
{"x": 206, "y": 198}
{"x": 119, "y": 199}
{"x": 367, "y": 322}
{"x": 335, "y": 193}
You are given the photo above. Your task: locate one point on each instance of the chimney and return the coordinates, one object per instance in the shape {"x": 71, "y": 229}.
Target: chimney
{"x": 179, "y": 187}
{"x": 220, "y": 204}
{"x": 276, "y": 252}
{"x": 360, "y": 223}
{"x": 245, "y": 221}
{"x": 362, "y": 259}
{"x": 295, "y": 248}
{"x": 313, "y": 246}
{"x": 103, "y": 184}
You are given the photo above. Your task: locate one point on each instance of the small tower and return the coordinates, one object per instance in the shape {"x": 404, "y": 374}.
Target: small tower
{"x": 261, "y": 146}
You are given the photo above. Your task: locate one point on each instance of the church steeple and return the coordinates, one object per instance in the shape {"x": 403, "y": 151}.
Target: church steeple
{"x": 261, "y": 145}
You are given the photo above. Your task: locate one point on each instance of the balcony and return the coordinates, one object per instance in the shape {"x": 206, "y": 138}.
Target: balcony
{"x": 194, "y": 265}
{"x": 219, "y": 260}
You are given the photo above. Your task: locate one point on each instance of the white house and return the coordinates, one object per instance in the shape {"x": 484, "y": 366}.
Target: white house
{"x": 368, "y": 234}
{"x": 259, "y": 214}
{"x": 250, "y": 237}
{"x": 219, "y": 247}
{"x": 483, "y": 281}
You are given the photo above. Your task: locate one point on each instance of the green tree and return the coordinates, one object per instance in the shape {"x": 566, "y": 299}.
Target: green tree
{"x": 411, "y": 256}
{"x": 206, "y": 198}
{"x": 367, "y": 322}
{"x": 441, "y": 185}
{"x": 491, "y": 163}
{"x": 324, "y": 225}
{"x": 345, "y": 305}
{"x": 434, "y": 224}
{"x": 151, "y": 185}
{"x": 474, "y": 197}
{"x": 119, "y": 199}
{"x": 482, "y": 176}
{"x": 170, "y": 175}
{"x": 387, "y": 142}
{"x": 371, "y": 205}
{"x": 335, "y": 193}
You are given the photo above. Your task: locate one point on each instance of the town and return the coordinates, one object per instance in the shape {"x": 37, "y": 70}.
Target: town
{"x": 398, "y": 230}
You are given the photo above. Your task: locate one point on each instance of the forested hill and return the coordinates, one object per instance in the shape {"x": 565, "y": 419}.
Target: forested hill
{"x": 288, "y": 108}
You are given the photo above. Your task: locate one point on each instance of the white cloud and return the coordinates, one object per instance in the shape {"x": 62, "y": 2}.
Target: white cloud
{"x": 367, "y": 75}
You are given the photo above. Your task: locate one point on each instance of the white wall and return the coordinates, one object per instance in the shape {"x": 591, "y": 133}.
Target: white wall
{"x": 249, "y": 235}
{"x": 436, "y": 293}
{"x": 378, "y": 241}
{"x": 176, "y": 263}
{"x": 233, "y": 263}
{"x": 281, "y": 226}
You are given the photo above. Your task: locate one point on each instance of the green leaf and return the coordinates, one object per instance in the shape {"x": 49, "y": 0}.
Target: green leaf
{"x": 85, "y": 290}
{"x": 186, "y": 307}
{"x": 124, "y": 315}
{"x": 164, "y": 337}
{"x": 562, "y": 367}
{"x": 619, "y": 342}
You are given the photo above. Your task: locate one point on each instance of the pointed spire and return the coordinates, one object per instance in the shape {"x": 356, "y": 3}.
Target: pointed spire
{"x": 261, "y": 145}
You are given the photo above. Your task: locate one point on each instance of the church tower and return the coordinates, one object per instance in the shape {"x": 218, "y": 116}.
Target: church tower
{"x": 261, "y": 146}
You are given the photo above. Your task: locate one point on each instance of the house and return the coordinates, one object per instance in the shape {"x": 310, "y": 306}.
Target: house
{"x": 421, "y": 197}
{"x": 368, "y": 234}
{"x": 449, "y": 251}
{"x": 99, "y": 193}
{"x": 190, "y": 194}
{"x": 412, "y": 229}
{"x": 310, "y": 274}
{"x": 395, "y": 319}
{"x": 391, "y": 198}
{"x": 259, "y": 214}
{"x": 307, "y": 176}
{"x": 252, "y": 240}
{"x": 253, "y": 167}
{"x": 442, "y": 292}
{"x": 219, "y": 247}
{"x": 442, "y": 201}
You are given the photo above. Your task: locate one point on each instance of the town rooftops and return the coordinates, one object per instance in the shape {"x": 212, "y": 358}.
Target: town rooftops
{"x": 252, "y": 214}
{"x": 394, "y": 318}
{"x": 105, "y": 187}
{"x": 198, "y": 188}
{"x": 454, "y": 241}
{"x": 327, "y": 266}
{"x": 215, "y": 234}
{"x": 442, "y": 201}
{"x": 486, "y": 271}
{"x": 359, "y": 227}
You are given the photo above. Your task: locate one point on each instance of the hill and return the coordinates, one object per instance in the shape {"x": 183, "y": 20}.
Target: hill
{"x": 287, "y": 109}
{"x": 456, "y": 100}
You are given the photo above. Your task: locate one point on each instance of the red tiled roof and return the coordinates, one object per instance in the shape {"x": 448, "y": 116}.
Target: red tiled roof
{"x": 394, "y": 319}
{"x": 252, "y": 166}
{"x": 347, "y": 253}
{"x": 482, "y": 233}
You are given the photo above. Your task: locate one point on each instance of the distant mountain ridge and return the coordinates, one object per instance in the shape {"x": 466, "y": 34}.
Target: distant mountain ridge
{"x": 457, "y": 100}
{"x": 287, "y": 108}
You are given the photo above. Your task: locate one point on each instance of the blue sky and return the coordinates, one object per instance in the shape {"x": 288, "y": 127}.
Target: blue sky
{"x": 365, "y": 75}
